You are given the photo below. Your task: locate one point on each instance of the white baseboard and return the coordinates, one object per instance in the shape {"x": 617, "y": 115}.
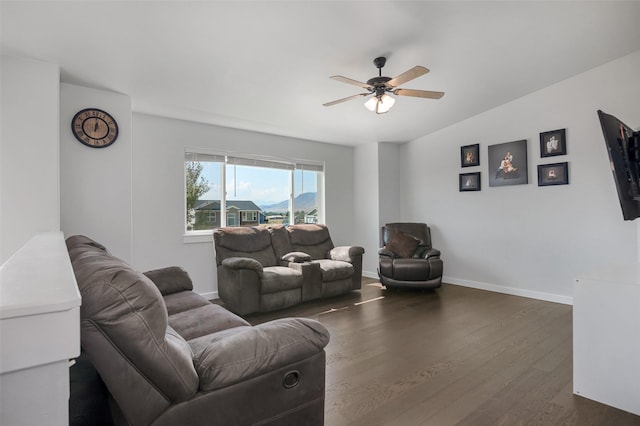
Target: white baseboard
{"x": 370, "y": 274}
{"x": 549, "y": 297}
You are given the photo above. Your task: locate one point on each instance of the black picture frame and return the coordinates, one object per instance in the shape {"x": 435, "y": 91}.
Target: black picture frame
{"x": 470, "y": 155}
{"x": 553, "y": 174}
{"x": 469, "y": 182}
{"x": 508, "y": 163}
{"x": 553, "y": 142}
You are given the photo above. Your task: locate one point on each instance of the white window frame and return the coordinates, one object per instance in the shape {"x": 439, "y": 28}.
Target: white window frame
{"x": 202, "y": 236}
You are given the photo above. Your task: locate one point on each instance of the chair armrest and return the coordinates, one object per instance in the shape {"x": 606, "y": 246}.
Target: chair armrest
{"x": 243, "y": 263}
{"x": 346, "y": 253}
{"x": 296, "y": 257}
{"x": 225, "y": 358}
{"x": 386, "y": 253}
{"x": 430, "y": 253}
{"x": 170, "y": 280}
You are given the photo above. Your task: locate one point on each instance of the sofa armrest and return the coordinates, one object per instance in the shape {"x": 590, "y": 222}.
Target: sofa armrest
{"x": 311, "y": 279}
{"x": 296, "y": 257}
{"x": 430, "y": 253}
{"x": 346, "y": 253}
{"x": 243, "y": 263}
{"x": 170, "y": 280}
{"x": 223, "y": 359}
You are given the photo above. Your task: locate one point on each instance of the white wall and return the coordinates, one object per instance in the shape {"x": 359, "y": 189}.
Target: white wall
{"x": 367, "y": 196}
{"x": 526, "y": 239}
{"x": 390, "y": 186}
{"x": 377, "y": 198}
{"x": 158, "y": 189}
{"x": 29, "y": 200}
{"x": 95, "y": 183}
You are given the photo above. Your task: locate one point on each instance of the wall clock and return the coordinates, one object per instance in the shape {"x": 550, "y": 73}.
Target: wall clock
{"x": 94, "y": 128}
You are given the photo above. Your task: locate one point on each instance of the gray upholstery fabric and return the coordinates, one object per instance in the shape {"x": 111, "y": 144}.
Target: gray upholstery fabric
{"x": 252, "y": 242}
{"x": 333, "y": 270}
{"x": 296, "y": 257}
{"x": 143, "y": 356}
{"x": 311, "y": 239}
{"x": 248, "y": 284}
{"x": 127, "y": 308}
{"x": 170, "y": 280}
{"x": 243, "y": 263}
{"x": 234, "y": 357}
{"x": 261, "y": 400}
{"x": 335, "y": 288}
{"x": 280, "y": 278}
{"x": 207, "y": 319}
{"x": 183, "y": 301}
{"x": 280, "y": 241}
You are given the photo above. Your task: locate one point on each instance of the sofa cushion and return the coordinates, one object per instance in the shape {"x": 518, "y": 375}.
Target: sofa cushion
{"x": 402, "y": 245}
{"x": 280, "y": 240}
{"x": 333, "y": 270}
{"x": 204, "y": 320}
{"x": 280, "y": 278}
{"x": 311, "y": 239}
{"x": 183, "y": 301}
{"x": 244, "y": 241}
{"x": 170, "y": 280}
{"x": 235, "y": 355}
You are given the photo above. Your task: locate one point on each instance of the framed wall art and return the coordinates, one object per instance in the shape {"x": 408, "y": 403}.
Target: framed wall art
{"x": 553, "y": 174}
{"x": 508, "y": 163}
{"x": 470, "y": 155}
{"x": 469, "y": 182}
{"x": 553, "y": 143}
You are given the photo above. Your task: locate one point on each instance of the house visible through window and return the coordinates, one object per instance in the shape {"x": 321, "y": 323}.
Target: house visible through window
{"x": 224, "y": 190}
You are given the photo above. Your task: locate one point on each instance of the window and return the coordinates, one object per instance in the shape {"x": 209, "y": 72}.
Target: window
{"x": 307, "y": 181}
{"x": 223, "y": 190}
{"x": 249, "y": 216}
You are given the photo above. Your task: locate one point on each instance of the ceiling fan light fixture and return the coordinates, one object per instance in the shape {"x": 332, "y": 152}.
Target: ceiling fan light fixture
{"x": 380, "y": 104}
{"x": 385, "y": 104}
{"x": 371, "y": 104}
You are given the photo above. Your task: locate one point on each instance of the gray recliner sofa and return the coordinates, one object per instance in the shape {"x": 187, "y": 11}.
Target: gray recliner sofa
{"x": 170, "y": 357}
{"x": 263, "y": 269}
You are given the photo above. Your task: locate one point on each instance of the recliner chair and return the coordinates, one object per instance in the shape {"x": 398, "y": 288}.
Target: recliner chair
{"x": 407, "y": 258}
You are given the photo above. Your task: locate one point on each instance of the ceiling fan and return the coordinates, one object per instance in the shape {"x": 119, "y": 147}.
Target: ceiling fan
{"x": 379, "y": 86}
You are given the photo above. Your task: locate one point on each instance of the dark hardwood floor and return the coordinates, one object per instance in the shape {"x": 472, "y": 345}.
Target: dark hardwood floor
{"x": 453, "y": 356}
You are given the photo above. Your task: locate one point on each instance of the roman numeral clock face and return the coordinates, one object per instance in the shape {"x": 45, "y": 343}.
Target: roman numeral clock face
{"x": 94, "y": 128}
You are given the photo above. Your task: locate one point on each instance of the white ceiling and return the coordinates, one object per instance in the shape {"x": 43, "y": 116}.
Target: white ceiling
{"x": 265, "y": 65}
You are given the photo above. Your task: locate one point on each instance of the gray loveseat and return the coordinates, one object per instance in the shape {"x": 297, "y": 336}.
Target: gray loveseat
{"x": 169, "y": 357}
{"x": 263, "y": 269}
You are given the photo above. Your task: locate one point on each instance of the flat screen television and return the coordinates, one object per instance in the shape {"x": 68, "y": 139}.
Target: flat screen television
{"x": 623, "y": 145}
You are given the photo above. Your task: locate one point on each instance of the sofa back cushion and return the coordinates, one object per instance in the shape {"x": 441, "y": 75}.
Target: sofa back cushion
{"x": 124, "y": 308}
{"x": 419, "y": 231}
{"x": 311, "y": 239}
{"x": 280, "y": 241}
{"x": 244, "y": 241}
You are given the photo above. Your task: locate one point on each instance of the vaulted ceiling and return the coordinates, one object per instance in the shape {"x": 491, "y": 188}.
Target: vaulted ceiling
{"x": 265, "y": 65}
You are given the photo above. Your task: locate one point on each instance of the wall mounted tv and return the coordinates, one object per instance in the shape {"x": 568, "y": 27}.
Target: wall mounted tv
{"x": 623, "y": 145}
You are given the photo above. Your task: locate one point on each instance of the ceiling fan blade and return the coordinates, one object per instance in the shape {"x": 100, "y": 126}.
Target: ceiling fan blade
{"x": 348, "y": 98}
{"x": 351, "y": 81}
{"x": 418, "y": 93}
{"x": 414, "y": 72}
